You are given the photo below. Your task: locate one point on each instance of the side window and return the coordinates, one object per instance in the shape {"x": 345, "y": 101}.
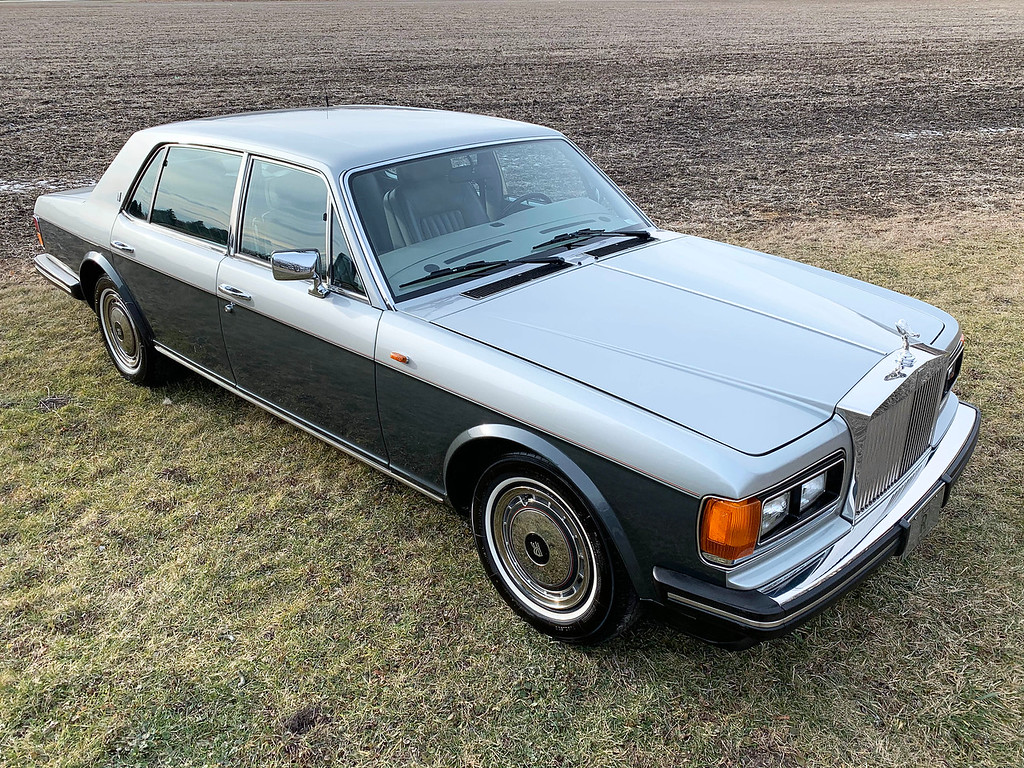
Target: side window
{"x": 343, "y": 270}
{"x": 285, "y": 210}
{"x": 195, "y": 192}
{"x": 142, "y": 198}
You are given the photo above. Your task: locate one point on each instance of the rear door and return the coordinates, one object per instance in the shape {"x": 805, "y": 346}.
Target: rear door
{"x": 307, "y": 356}
{"x": 167, "y": 242}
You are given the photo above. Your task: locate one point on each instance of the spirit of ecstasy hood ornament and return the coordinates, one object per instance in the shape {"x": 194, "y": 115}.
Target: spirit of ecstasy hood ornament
{"x": 906, "y": 360}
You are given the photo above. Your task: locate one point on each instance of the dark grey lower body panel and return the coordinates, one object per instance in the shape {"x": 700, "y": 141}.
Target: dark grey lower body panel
{"x": 302, "y": 424}
{"x": 420, "y": 422}
{"x": 183, "y": 318}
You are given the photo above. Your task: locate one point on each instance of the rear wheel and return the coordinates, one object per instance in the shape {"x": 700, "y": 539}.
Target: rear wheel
{"x": 129, "y": 349}
{"x": 541, "y": 546}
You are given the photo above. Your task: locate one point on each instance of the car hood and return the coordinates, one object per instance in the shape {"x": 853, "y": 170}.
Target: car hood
{"x": 748, "y": 349}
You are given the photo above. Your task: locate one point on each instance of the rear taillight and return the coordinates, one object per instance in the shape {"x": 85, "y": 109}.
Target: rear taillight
{"x": 35, "y": 223}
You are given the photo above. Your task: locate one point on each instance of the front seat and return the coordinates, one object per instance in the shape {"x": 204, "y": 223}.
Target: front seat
{"x": 428, "y": 203}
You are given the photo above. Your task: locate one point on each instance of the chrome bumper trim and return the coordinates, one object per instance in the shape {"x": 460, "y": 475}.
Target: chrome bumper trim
{"x": 795, "y": 616}
{"x": 59, "y": 274}
{"x": 879, "y": 534}
{"x": 879, "y": 522}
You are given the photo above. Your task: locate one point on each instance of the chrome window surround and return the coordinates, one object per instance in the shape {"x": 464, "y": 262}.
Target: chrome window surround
{"x": 242, "y": 171}
{"x": 234, "y": 220}
{"x": 334, "y": 213}
{"x": 250, "y": 162}
{"x": 332, "y": 208}
{"x": 127, "y": 197}
{"x": 773, "y": 542}
{"x": 360, "y": 233}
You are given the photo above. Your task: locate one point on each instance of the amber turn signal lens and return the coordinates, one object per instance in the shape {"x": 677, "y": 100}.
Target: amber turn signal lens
{"x": 729, "y": 529}
{"x": 35, "y": 223}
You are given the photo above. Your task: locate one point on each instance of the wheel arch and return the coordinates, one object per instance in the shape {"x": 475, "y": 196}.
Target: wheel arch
{"x": 94, "y": 266}
{"x": 478, "y": 447}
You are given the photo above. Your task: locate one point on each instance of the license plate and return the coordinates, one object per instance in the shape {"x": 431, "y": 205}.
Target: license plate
{"x": 923, "y": 521}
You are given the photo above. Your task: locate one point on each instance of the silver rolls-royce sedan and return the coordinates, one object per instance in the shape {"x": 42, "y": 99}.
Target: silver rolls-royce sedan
{"x": 630, "y": 416}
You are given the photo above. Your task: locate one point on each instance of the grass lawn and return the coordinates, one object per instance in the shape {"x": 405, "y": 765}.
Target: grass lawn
{"x": 187, "y": 581}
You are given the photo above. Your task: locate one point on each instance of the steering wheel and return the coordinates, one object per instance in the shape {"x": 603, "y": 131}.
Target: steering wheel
{"x": 540, "y": 197}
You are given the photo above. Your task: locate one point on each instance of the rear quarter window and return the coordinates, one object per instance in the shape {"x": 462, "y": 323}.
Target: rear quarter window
{"x": 195, "y": 192}
{"x": 142, "y": 198}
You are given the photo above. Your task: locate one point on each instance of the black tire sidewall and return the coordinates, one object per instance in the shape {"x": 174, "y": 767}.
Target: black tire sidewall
{"x": 605, "y": 615}
{"x": 145, "y": 374}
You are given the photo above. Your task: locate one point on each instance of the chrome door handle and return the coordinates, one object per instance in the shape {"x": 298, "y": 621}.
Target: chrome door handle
{"x": 230, "y": 290}
{"x": 122, "y": 246}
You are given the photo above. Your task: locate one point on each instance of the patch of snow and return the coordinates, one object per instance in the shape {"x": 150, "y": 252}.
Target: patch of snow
{"x": 10, "y": 187}
{"x": 918, "y": 134}
{"x": 930, "y": 134}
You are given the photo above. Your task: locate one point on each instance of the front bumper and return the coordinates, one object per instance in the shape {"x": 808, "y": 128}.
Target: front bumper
{"x": 738, "y": 618}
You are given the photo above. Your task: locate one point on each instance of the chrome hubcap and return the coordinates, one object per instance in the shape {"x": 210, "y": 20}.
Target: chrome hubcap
{"x": 541, "y": 550}
{"x": 119, "y": 331}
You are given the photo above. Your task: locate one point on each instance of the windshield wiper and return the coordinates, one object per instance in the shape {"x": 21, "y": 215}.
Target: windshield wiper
{"x": 571, "y": 238}
{"x": 485, "y": 265}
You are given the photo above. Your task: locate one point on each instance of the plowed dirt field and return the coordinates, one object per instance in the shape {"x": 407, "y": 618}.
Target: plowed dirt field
{"x": 738, "y": 112}
{"x": 187, "y": 581}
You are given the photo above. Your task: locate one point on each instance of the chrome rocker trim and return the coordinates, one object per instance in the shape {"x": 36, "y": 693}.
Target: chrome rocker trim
{"x": 741, "y": 617}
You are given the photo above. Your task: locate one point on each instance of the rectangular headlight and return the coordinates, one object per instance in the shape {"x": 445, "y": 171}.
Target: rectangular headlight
{"x": 811, "y": 491}
{"x": 731, "y": 531}
{"x": 773, "y": 512}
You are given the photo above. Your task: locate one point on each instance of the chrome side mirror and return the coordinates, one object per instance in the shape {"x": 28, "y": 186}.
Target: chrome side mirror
{"x": 299, "y": 265}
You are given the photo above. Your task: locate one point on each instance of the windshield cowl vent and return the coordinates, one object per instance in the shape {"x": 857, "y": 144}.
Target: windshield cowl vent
{"x": 483, "y": 291}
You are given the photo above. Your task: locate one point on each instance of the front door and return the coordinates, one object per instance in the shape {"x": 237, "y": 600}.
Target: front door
{"x": 307, "y": 356}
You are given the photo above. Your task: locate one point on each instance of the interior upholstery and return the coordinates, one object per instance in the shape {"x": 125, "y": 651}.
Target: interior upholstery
{"x": 428, "y": 202}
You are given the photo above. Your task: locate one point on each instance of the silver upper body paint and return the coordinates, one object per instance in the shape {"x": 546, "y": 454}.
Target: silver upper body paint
{"x": 749, "y": 352}
{"x": 747, "y": 349}
{"x": 330, "y": 141}
{"x": 711, "y": 369}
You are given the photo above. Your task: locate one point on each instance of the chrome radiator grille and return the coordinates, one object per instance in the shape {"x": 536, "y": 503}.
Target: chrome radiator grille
{"x": 896, "y": 438}
{"x": 891, "y": 424}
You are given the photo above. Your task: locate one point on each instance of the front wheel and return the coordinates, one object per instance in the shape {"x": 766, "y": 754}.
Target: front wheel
{"x": 541, "y": 546}
{"x": 128, "y": 347}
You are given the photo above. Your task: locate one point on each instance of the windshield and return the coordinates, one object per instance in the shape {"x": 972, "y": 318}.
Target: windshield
{"x": 446, "y": 213}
